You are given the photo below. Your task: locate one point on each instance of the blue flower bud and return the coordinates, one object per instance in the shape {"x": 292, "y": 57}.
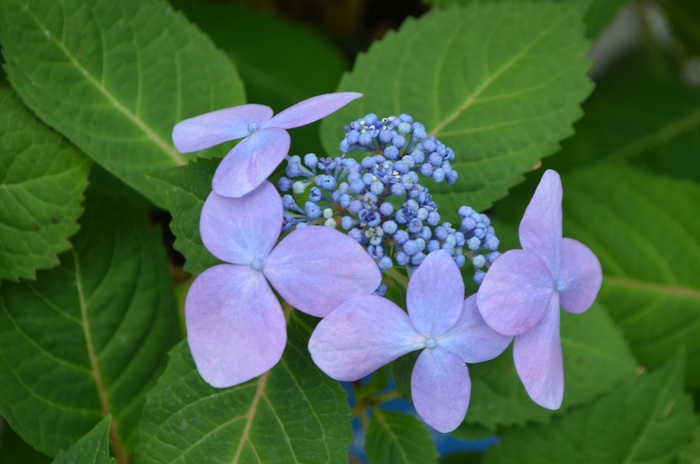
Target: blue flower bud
{"x": 370, "y": 119}
{"x": 368, "y": 179}
{"x": 347, "y": 223}
{"x": 376, "y": 188}
{"x": 353, "y": 137}
{"x": 415, "y": 225}
{"x": 409, "y": 160}
{"x": 399, "y": 141}
{"x": 406, "y": 118}
{"x": 493, "y": 256}
{"x": 385, "y": 136}
{"x": 344, "y": 146}
{"x": 401, "y": 236}
{"x": 345, "y": 200}
{"x": 357, "y": 186}
{"x": 312, "y": 210}
{"x": 418, "y": 156}
{"x": 401, "y": 167}
{"x": 433, "y": 218}
{"x": 284, "y": 184}
{"x": 410, "y": 247}
{"x": 439, "y": 175}
{"x": 385, "y": 263}
{"x": 310, "y": 160}
{"x": 426, "y": 170}
{"x": 402, "y": 258}
{"x": 389, "y": 227}
{"x": 467, "y": 224}
{"x": 398, "y": 190}
{"x": 386, "y": 209}
{"x": 357, "y": 235}
{"x": 465, "y": 211}
{"x": 432, "y": 245}
{"x": 459, "y": 259}
{"x": 391, "y": 152}
{"x": 479, "y": 261}
{"x": 417, "y": 259}
{"x": 474, "y": 243}
{"x": 479, "y": 277}
{"x": 355, "y": 206}
{"x": 404, "y": 128}
{"x": 426, "y": 233}
{"x": 315, "y": 194}
{"x": 293, "y": 170}
{"x": 441, "y": 233}
{"x": 366, "y": 139}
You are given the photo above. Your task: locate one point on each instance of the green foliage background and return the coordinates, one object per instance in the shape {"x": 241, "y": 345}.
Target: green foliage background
{"x": 93, "y": 364}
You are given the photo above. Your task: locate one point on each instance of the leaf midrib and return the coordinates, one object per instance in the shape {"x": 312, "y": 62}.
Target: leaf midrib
{"x": 663, "y": 135}
{"x": 380, "y": 417}
{"x": 495, "y": 76}
{"x": 94, "y": 362}
{"x": 168, "y": 150}
{"x": 665, "y": 289}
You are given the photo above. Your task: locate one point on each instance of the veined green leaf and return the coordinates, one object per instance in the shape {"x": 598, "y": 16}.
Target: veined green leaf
{"x": 88, "y": 338}
{"x": 184, "y": 190}
{"x": 596, "y": 359}
{"x": 395, "y": 438}
{"x": 500, "y": 83}
{"x": 293, "y": 413}
{"x": 646, "y": 420}
{"x": 600, "y": 14}
{"x": 93, "y": 448}
{"x": 650, "y": 122}
{"x": 115, "y": 77}
{"x": 42, "y": 179}
{"x": 646, "y": 232}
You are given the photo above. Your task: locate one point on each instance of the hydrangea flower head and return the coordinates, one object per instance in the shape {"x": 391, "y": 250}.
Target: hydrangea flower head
{"x": 235, "y": 326}
{"x": 522, "y": 291}
{"x": 367, "y": 332}
{"x": 266, "y": 141}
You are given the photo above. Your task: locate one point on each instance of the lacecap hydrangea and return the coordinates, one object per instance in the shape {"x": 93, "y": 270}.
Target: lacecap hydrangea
{"x": 380, "y": 198}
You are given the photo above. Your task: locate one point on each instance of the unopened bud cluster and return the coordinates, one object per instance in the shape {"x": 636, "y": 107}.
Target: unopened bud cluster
{"x": 380, "y": 202}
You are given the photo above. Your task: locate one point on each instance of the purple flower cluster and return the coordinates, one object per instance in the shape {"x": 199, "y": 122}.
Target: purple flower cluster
{"x": 360, "y": 197}
{"x": 235, "y": 323}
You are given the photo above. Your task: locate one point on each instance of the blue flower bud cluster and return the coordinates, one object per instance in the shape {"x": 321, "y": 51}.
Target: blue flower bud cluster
{"x": 379, "y": 200}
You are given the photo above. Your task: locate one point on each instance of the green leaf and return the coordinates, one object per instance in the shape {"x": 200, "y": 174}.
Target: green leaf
{"x": 15, "y": 450}
{"x": 600, "y": 14}
{"x": 653, "y": 123}
{"x": 293, "y": 413}
{"x": 184, "y": 190}
{"x": 463, "y": 458}
{"x": 596, "y": 359}
{"x": 42, "y": 179}
{"x": 88, "y": 338}
{"x": 378, "y": 382}
{"x": 92, "y": 448}
{"x": 395, "y": 438}
{"x": 646, "y": 232}
{"x": 646, "y": 420}
{"x": 115, "y": 77}
{"x": 499, "y": 83}
{"x": 281, "y": 62}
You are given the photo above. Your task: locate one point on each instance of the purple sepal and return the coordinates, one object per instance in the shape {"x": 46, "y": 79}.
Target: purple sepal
{"x": 235, "y": 325}
{"x": 435, "y": 308}
{"x": 538, "y": 359}
{"x": 217, "y": 127}
{"x": 360, "y": 336}
{"x": 312, "y": 109}
{"x": 471, "y": 338}
{"x": 249, "y": 163}
{"x": 540, "y": 228}
{"x": 440, "y": 389}
{"x": 317, "y": 268}
{"x": 239, "y": 230}
{"x": 582, "y": 274}
{"x": 515, "y": 293}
